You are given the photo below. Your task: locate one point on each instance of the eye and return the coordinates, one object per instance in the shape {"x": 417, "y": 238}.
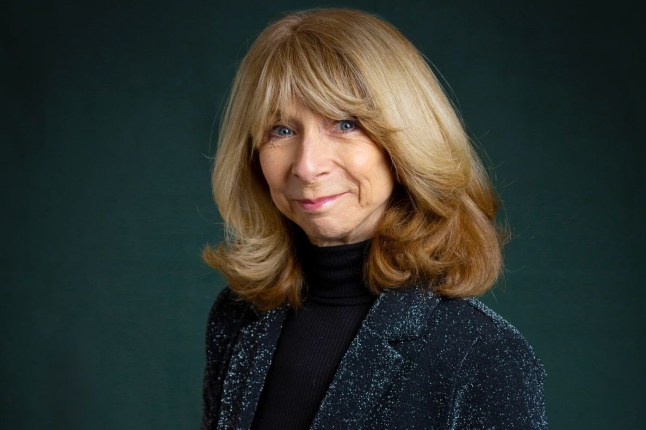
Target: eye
{"x": 346, "y": 125}
{"x": 281, "y": 131}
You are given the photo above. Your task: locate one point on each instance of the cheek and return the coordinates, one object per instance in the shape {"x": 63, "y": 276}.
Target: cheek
{"x": 383, "y": 185}
{"x": 381, "y": 171}
{"x": 377, "y": 177}
{"x": 271, "y": 169}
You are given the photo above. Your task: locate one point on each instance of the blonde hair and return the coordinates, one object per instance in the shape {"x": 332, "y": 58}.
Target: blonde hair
{"x": 439, "y": 229}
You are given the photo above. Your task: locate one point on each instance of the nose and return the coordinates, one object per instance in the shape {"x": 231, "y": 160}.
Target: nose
{"x": 313, "y": 157}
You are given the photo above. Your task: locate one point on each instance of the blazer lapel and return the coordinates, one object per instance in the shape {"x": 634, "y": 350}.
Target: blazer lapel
{"x": 371, "y": 364}
{"x": 250, "y": 362}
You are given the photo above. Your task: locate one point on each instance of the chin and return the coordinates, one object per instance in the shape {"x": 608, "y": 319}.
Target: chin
{"x": 326, "y": 237}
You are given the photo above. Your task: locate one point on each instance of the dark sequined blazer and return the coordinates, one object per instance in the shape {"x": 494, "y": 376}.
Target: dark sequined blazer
{"x": 419, "y": 361}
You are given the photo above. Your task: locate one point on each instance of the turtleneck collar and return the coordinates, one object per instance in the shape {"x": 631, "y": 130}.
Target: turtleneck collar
{"x": 334, "y": 274}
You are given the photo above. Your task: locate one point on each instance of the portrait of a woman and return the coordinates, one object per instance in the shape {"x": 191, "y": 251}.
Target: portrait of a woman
{"x": 360, "y": 225}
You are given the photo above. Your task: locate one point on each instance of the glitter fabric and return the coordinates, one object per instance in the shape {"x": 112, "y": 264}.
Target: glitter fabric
{"x": 419, "y": 361}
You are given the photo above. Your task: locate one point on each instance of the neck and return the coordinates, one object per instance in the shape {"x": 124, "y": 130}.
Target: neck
{"x": 334, "y": 274}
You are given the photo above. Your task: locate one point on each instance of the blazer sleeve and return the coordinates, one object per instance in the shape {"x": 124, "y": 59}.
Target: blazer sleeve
{"x": 227, "y": 316}
{"x": 499, "y": 385}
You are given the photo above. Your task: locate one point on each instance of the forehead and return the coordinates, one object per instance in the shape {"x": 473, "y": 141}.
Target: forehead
{"x": 292, "y": 78}
{"x": 297, "y": 110}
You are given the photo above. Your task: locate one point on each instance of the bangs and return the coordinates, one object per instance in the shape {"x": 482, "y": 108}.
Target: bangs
{"x": 307, "y": 70}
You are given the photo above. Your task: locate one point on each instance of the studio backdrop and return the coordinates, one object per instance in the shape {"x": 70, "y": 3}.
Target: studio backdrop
{"x": 110, "y": 117}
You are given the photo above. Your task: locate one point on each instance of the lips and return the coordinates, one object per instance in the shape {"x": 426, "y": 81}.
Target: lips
{"x": 315, "y": 204}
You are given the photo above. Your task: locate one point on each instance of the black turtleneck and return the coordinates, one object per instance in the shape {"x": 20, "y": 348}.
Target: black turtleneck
{"x": 314, "y": 339}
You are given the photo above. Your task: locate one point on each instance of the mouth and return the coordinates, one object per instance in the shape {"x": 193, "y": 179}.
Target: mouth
{"x": 315, "y": 204}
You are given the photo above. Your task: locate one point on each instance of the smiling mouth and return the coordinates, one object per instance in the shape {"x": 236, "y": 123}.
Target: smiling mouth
{"x": 315, "y": 204}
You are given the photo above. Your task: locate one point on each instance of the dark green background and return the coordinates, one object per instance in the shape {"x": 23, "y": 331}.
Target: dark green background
{"x": 108, "y": 122}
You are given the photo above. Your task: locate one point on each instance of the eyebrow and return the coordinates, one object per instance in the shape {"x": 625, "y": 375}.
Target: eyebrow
{"x": 284, "y": 115}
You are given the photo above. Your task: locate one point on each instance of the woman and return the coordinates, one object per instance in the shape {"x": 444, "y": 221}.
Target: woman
{"x": 359, "y": 222}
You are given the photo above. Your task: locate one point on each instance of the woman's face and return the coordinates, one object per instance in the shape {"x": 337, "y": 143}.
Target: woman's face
{"x": 327, "y": 176}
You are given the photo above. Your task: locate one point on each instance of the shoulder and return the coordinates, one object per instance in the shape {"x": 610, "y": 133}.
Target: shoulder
{"x": 458, "y": 321}
{"x": 488, "y": 344}
{"x": 228, "y": 314}
{"x": 476, "y": 369}
{"x": 228, "y": 306}
{"x": 496, "y": 332}
{"x": 497, "y": 369}
{"x": 420, "y": 312}
{"x": 471, "y": 321}
{"x": 454, "y": 328}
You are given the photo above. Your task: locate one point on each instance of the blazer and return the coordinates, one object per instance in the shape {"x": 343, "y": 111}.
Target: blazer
{"x": 418, "y": 361}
